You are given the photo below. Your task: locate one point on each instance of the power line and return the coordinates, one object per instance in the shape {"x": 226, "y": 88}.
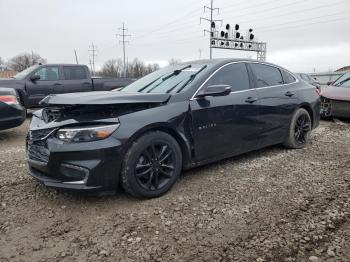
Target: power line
{"x": 307, "y": 24}
{"x": 302, "y": 20}
{"x": 270, "y": 8}
{"x": 164, "y": 26}
{"x": 297, "y": 11}
{"x": 211, "y": 25}
{"x": 93, "y": 50}
{"x": 123, "y": 35}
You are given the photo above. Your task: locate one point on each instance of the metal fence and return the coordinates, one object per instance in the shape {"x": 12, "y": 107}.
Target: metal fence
{"x": 324, "y": 78}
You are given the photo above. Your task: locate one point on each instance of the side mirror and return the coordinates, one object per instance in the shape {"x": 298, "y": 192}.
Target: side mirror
{"x": 329, "y": 83}
{"x": 34, "y": 78}
{"x": 215, "y": 90}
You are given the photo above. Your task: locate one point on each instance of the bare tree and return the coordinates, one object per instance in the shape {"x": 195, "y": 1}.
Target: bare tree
{"x": 135, "y": 69}
{"x": 25, "y": 60}
{"x": 174, "y": 61}
{"x": 2, "y": 61}
{"x": 111, "y": 68}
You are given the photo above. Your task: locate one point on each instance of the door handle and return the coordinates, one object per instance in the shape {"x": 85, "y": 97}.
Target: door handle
{"x": 289, "y": 94}
{"x": 57, "y": 84}
{"x": 251, "y": 100}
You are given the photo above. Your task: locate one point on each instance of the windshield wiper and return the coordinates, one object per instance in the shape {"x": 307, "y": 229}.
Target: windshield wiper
{"x": 143, "y": 88}
{"x": 176, "y": 72}
{"x": 190, "y": 79}
{"x": 342, "y": 82}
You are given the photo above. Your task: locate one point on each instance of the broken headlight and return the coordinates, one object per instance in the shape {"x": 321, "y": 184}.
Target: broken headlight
{"x": 86, "y": 134}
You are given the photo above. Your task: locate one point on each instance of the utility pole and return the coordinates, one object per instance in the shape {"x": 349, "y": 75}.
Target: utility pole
{"x": 76, "y": 57}
{"x": 90, "y": 62}
{"x": 123, "y": 35}
{"x": 211, "y": 25}
{"x": 93, "y": 50}
{"x": 200, "y": 53}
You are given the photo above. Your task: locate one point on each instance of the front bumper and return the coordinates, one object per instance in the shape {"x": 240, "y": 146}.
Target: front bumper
{"x": 81, "y": 166}
{"x": 335, "y": 108}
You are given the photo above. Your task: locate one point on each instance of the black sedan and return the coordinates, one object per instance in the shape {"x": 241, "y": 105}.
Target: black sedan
{"x": 12, "y": 114}
{"x": 176, "y": 118}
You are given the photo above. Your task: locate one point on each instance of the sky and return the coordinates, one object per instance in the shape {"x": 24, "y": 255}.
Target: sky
{"x": 301, "y": 35}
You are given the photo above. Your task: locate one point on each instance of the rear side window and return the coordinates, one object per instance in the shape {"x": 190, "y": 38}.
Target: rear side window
{"x": 267, "y": 75}
{"x": 234, "y": 75}
{"x": 287, "y": 77}
{"x": 74, "y": 72}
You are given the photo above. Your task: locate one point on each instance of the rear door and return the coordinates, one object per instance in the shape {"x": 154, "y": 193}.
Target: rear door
{"x": 48, "y": 82}
{"x": 76, "y": 79}
{"x": 277, "y": 101}
{"x": 225, "y": 125}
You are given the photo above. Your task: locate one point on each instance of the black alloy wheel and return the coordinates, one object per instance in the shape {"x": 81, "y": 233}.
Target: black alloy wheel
{"x": 152, "y": 165}
{"x": 302, "y": 129}
{"x": 155, "y": 166}
{"x": 299, "y": 130}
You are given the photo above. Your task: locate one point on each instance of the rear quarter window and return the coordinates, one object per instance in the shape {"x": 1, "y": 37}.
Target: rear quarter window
{"x": 288, "y": 78}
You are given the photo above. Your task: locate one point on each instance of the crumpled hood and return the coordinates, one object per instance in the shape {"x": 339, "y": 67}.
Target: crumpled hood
{"x": 104, "y": 98}
{"x": 336, "y": 93}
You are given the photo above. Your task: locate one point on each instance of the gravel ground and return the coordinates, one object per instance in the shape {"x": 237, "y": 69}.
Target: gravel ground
{"x": 269, "y": 205}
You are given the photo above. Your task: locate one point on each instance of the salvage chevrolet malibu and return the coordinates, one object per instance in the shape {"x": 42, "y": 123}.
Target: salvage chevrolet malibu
{"x": 179, "y": 117}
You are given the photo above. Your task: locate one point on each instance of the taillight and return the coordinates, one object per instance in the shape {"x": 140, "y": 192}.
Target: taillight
{"x": 318, "y": 91}
{"x": 10, "y": 100}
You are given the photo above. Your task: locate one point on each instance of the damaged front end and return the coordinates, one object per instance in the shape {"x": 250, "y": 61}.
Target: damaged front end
{"x": 72, "y": 145}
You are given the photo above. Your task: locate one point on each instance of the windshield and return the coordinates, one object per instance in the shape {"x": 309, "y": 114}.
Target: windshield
{"x": 343, "y": 81}
{"x": 172, "y": 79}
{"x": 22, "y": 75}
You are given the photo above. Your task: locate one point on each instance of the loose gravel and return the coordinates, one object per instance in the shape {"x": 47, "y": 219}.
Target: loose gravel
{"x": 270, "y": 205}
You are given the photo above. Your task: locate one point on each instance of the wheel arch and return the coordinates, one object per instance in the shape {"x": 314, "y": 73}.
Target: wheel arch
{"x": 166, "y": 128}
{"x": 308, "y": 108}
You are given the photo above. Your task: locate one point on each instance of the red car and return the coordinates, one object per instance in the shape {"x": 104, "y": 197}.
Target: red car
{"x": 335, "y": 99}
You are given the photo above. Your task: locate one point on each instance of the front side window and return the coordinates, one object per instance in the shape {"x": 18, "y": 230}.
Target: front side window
{"x": 234, "y": 75}
{"x": 74, "y": 72}
{"x": 267, "y": 75}
{"x": 48, "y": 73}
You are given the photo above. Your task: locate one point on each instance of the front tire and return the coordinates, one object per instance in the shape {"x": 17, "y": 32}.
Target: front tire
{"x": 299, "y": 130}
{"x": 151, "y": 165}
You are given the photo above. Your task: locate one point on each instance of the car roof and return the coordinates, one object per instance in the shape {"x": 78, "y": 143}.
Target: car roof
{"x": 61, "y": 65}
{"x": 222, "y": 61}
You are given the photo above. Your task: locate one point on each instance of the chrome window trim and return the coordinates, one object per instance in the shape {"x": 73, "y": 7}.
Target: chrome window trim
{"x": 241, "y": 91}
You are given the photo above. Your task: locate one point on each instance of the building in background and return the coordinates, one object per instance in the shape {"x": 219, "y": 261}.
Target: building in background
{"x": 5, "y": 72}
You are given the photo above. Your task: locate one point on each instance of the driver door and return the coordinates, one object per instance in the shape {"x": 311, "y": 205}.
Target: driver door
{"x": 48, "y": 82}
{"x": 226, "y": 125}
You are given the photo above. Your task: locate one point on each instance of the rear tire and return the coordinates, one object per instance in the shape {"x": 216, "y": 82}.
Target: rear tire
{"x": 151, "y": 165}
{"x": 299, "y": 130}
